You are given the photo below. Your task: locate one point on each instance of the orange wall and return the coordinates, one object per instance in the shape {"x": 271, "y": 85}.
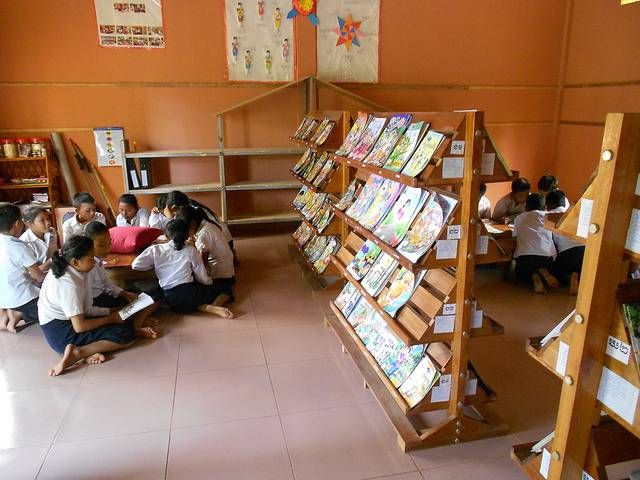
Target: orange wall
{"x": 497, "y": 55}
{"x": 602, "y": 75}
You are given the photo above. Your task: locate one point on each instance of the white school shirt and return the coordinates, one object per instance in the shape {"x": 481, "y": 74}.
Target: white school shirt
{"x": 99, "y": 282}
{"x": 484, "y": 207}
{"x": 67, "y": 296}
{"x": 141, "y": 219}
{"x": 73, "y": 227}
{"x": 173, "y": 267}
{"x": 532, "y": 238}
{"x": 158, "y": 220}
{"x": 564, "y": 243}
{"x": 210, "y": 238}
{"x": 507, "y": 207}
{"x": 16, "y": 285}
{"x": 40, "y": 247}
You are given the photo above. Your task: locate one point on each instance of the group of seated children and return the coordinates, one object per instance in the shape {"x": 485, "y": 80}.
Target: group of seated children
{"x": 542, "y": 257}
{"x": 68, "y": 290}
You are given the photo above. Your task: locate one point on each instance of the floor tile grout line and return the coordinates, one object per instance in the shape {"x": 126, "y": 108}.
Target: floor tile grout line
{"x": 173, "y": 405}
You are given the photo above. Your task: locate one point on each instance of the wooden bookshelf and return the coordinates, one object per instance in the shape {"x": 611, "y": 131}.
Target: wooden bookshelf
{"x": 579, "y": 355}
{"x": 45, "y": 167}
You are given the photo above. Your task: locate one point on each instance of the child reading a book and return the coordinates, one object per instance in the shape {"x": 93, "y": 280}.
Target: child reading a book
{"x": 19, "y": 271}
{"x": 181, "y": 273}
{"x": 535, "y": 249}
{"x": 131, "y": 215}
{"x": 568, "y": 264}
{"x": 65, "y": 306}
{"x": 548, "y": 184}
{"x": 512, "y": 204}
{"x": 157, "y": 218}
{"x": 484, "y": 205}
{"x": 215, "y": 251}
{"x": 40, "y": 235}
{"x": 85, "y": 206}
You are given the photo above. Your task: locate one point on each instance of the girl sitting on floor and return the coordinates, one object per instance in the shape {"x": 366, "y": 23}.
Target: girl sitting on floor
{"x": 66, "y": 303}
{"x": 181, "y": 273}
{"x": 40, "y": 235}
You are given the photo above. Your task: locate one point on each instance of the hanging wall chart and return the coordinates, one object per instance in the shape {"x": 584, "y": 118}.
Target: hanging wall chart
{"x": 135, "y": 24}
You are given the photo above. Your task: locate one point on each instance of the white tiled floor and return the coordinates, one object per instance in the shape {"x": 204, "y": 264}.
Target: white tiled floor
{"x": 268, "y": 395}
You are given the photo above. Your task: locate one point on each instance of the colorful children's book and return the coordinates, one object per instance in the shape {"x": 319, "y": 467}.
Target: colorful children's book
{"x": 374, "y": 281}
{"x": 423, "y": 154}
{"x": 370, "y": 330}
{"x": 314, "y": 204}
{"x": 354, "y": 134}
{"x": 323, "y": 217}
{"x": 302, "y": 127}
{"x": 348, "y": 196}
{"x": 300, "y": 200}
{"x": 381, "y": 204}
{"x": 311, "y": 128}
{"x": 405, "y": 146}
{"x": 304, "y": 160}
{"x": 366, "y": 197}
{"x": 447, "y": 203}
{"x": 368, "y": 138}
{"x": 364, "y": 260}
{"x": 424, "y": 231}
{"x": 319, "y": 130}
{"x": 305, "y": 235}
{"x": 347, "y": 299}
{"x": 361, "y": 313}
{"x": 388, "y": 139}
{"x": 323, "y": 261}
{"x": 395, "y": 224}
{"x": 325, "y": 173}
{"x": 326, "y": 131}
{"x": 399, "y": 366}
{"x": 420, "y": 382}
{"x": 632, "y": 320}
{"x": 316, "y": 248}
{"x": 385, "y": 345}
{"x": 317, "y": 167}
{"x": 400, "y": 291}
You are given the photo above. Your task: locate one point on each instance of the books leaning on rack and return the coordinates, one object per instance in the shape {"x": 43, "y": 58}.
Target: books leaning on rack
{"x": 314, "y": 131}
{"x": 315, "y": 169}
{"x": 316, "y": 248}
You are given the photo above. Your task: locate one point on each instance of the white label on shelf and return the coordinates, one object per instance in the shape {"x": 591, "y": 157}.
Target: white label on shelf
{"x": 584, "y": 219}
{"x": 449, "y": 309}
{"x": 476, "y": 319}
{"x": 638, "y": 185}
{"x": 442, "y": 391}
{"x": 482, "y": 245}
{"x": 471, "y": 387}
{"x": 457, "y": 147}
{"x": 586, "y": 476}
{"x": 563, "y": 357}
{"x": 633, "y": 234}
{"x": 134, "y": 179}
{"x": 453, "y": 167}
{"x": 446, "y": 249}
{"x": 444, "y": 323}
{"x": 618, "y": 349}
{"x": 488, "y": 163}
{"x": 545, "y": 463}
{"x": 618, "y": 395}
{"x": 145, "y": 178}
{"x": 454, "y": 232}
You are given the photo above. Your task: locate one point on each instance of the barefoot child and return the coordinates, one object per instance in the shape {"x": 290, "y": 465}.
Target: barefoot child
{"x": 19, "y": 271}
{"x": 40, "y": 235}
{"x": 85, "y": 206}
{"x": 131, "y": 215}
{"x": 512, "y": 204}
{"x": 215, "y": 251}
{"x": 181, "y": 273}
{"x": 535, "y": 249}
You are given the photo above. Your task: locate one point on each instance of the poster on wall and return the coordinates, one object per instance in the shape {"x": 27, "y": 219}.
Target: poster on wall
{"x": 348, "y": 40}
{"x": 109, "y": 145}
{"x": 135, "y": 24}
{"x": 259, "y": 40}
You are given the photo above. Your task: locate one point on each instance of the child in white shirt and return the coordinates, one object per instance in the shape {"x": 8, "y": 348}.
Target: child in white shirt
{"x": 181, "y": 273}
{"x": 66, "y": 302}
{"x": 157, "y": 219}
{"x": 484, "y": 205}
{"x": 85, "y": 206}
{"x": 513, "y": 204}
{"x": 130, "y": 214}
{"x": 535, "y": 249}
{"x": 19, "y": 271}
{"x": 40, "y": 235}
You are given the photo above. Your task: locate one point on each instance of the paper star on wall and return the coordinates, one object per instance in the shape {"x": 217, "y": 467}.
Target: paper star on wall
{"x": 347, "y": 32}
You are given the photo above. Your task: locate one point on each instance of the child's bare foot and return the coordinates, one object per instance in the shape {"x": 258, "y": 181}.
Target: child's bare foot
{"x": 550, "y": 279}
{"x": 219, "y": 311}
{"x": 4, "y": 319}
{"x": 69, "y": 357}
{"x": 14, "y": 318}
{"x": 538, "y": 286}
{"x": 95, "y": 359}
{"x": 574, "y": 284}
{"x": 151, "y": 322}
{"x": 146, "y": 332}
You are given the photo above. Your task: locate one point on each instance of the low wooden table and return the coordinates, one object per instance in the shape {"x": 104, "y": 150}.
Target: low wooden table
{"x": 119, "y": 271}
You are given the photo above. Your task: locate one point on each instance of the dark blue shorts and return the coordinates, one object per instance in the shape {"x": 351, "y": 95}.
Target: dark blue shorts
{"x": 29, "y": 311}
{"x": 60, "y": 333}
{"x": 187, "y": 297}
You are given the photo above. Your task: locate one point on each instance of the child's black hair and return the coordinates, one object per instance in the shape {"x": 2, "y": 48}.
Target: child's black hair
{"x": 180, "y": 199}
{"x": 161, "y": 201}
{"x": 94, "y": 229}
{"x": 520, "y": 185}
{"x": 191, "y": 215}
{"x": 483, "y": 189}
{"x": 547, "y": 183}
{"x": 129, "y": 199}
{"x": 555, "y": 199}
{"x": 9, "y": 214}
{"x": 31, "y": 213}
{"x": 75, "y": 247}
{"x": 535, "y": 201}
{"x": 83, "y": 197}
{"x": 178, "y": 231}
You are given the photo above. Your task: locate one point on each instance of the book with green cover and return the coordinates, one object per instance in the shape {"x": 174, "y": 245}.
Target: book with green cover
{"x": 364, "y": 260}
{"x": 423, "y": 154}
{"x": 420, "y": 382}
{"x": 405, "y": 146}
{"x": 632, "y": 320}
{"x": 395, "y": 224}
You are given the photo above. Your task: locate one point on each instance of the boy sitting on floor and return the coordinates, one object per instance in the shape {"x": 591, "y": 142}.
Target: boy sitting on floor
{"x": 535, "y": 249}
{"x": 85, "y": 206}
{"x": 512, "y": 204}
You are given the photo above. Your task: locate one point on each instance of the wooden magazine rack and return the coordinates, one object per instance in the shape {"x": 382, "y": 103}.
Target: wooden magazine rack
{"x": 585, "y": 442}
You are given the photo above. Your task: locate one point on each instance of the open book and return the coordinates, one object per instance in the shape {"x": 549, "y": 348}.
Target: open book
{"x": 143, "y": 301}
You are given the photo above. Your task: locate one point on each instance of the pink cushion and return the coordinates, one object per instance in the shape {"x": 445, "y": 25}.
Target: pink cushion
{"x": 132, "y": 239}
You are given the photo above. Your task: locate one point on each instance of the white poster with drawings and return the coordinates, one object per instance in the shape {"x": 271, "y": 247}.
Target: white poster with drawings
{"x": 259, "y": 40}
{"x": 136, "y": 24}
{"x": 347, "y": 40}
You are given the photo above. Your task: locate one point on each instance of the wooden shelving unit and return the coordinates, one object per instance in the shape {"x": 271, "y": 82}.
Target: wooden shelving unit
{"x": 446, "y": 282}
{"x": 31, "y": 167}
{"x": 584, "y": 443}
